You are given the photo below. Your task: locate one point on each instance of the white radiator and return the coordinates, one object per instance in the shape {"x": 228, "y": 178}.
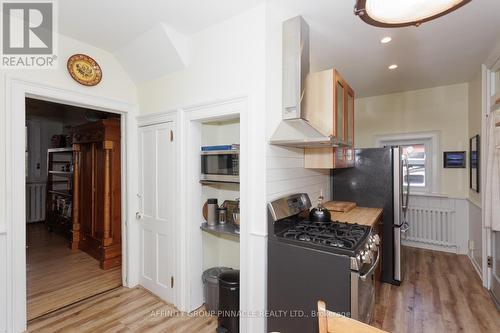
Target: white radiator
{"x": 432, "y": 226}
{"x": 35, "y": 201}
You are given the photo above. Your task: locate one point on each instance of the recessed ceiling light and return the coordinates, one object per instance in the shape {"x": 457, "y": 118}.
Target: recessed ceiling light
{"x": 397, "y": 13}
{"x": 393, "y": 66}
{"x": 385, "y": 40}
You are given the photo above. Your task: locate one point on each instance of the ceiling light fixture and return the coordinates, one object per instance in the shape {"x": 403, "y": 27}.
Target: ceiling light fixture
{"x": 394, "y": 66}
{"x": 385, "y": 40}
{"x": 397, "y": 13}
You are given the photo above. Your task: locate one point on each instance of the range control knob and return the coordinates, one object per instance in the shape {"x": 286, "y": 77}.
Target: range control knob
{"x": 366, "y": 257}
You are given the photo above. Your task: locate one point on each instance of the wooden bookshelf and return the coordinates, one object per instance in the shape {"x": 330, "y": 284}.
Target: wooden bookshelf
{"x": 59, "y": 217}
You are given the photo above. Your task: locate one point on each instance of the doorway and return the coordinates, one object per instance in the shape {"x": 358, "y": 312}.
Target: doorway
{"x": 73, "y": 204}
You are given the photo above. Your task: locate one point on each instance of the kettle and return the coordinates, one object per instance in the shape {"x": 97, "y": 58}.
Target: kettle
{"x": 320, "y": 213}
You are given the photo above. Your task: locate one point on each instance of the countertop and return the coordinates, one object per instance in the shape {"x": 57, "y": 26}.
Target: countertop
{"x": 359, "y": 215}
{"x": 221, "y": 229}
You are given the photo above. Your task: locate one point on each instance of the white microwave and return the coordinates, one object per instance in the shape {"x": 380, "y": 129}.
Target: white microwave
{"x": 220, "y": 166}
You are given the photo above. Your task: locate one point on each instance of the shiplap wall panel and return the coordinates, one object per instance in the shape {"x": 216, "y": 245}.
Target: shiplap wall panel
{"x": 286, "y": 174}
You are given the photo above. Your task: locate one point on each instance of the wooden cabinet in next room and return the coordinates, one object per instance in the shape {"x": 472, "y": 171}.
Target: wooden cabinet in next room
{"x": 330, "y": 108}
{"x": 97, "y": 199}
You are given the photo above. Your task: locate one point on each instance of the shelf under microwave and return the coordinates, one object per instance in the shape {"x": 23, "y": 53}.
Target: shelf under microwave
{"x": 209, "y": 179}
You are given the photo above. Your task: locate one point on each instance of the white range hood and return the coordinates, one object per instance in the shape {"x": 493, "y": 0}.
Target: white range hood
{"x": 299, "y": 133}
{"x": 295, "y": 131}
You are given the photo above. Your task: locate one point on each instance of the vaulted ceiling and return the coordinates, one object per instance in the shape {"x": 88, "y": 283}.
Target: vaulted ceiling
{"x": 445, "y": 51}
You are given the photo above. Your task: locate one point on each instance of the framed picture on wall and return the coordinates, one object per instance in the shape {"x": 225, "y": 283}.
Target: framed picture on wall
{"x": 454, "y": 159}
{"x": 474, "y": 163}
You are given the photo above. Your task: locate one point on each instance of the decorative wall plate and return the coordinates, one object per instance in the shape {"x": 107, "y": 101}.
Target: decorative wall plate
{"x": 84, "y": 69}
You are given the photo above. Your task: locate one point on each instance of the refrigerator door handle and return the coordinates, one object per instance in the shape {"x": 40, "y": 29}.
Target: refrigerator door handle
{"x": 397, "y": 186}
{"x": 397, "y": 254}
{"x": 406, "y": 200}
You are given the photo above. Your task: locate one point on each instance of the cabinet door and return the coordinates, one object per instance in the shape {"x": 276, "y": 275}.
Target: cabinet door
{"x": 339, "y": 108}
{"x": 349, "y": 122}
{"x": 349, "y": 154}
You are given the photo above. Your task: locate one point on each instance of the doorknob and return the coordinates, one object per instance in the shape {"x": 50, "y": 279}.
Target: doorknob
{"x": 138, "y": 215}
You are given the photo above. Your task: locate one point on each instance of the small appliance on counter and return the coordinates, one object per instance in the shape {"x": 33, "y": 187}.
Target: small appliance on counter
{"x": 236, "y": 216}
{"x": 212, "y": 207}
{"x": 310, "y": 261}
{"x": 220, "y": 164}
{"x": 222, "y": 213}
{"x": 320, "y": 213}
{"x": 223, "y": 219}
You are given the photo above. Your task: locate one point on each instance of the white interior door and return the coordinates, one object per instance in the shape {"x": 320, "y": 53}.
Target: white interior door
{"x": 156, "y": 186}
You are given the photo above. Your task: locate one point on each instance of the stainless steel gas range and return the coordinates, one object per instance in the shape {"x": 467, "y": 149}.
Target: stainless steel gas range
{"x": 311, "y": 261}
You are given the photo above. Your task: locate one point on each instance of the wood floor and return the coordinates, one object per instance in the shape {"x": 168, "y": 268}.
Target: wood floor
{"x": 123, "y": 310}
{"x": 441, "y": 293}
{"x": 57, "y": 277}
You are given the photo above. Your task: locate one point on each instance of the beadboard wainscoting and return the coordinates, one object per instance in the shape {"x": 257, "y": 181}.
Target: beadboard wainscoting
{"x": 438, "y": 223}
{"x": 286, "y": 175}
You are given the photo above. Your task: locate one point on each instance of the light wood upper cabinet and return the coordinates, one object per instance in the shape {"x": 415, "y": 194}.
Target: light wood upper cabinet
{"x": 329, "y": 106}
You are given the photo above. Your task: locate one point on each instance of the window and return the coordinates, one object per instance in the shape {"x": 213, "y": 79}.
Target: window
{"x": 421, "y": 151}
{"x": 416, "y": 156}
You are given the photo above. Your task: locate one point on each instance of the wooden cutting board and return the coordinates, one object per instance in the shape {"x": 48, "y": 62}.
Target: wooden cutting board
{"x": 340, "y": 206}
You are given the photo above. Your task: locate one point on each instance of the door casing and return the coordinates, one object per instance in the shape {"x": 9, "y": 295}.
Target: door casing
{"x": 16, "y": 93}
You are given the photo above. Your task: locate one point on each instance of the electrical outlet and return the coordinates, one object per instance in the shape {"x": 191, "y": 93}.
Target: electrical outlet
{"x": 472, "y": 246}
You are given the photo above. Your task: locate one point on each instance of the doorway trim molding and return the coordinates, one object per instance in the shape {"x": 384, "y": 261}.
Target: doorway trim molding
{"x": 16, "y": 91}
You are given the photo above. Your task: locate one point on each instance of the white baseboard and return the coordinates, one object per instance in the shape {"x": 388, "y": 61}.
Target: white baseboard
{"x": 424, "y": 246}
{"x": 476, "y": 266}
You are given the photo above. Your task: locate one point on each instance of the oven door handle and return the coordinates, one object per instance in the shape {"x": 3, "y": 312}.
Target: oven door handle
{"x": 370, "y": 271}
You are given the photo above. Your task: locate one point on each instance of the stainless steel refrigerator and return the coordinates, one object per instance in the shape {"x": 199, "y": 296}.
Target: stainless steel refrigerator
{"x": 376, "y": 180}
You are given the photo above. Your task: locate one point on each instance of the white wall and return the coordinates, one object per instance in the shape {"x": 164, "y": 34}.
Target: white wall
{"x": 115, "y": 85}
{"x": 442, "y": 109}
{"x": 224, "y": 63}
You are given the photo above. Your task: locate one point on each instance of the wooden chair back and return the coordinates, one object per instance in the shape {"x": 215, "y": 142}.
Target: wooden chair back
{"x": 331, "y": 322}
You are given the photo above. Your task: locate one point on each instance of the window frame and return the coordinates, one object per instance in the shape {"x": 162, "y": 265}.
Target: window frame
{"x": 432, "y": 159}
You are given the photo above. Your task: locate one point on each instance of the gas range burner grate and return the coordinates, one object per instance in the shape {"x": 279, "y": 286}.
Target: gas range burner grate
{"x": 331, "y": 234}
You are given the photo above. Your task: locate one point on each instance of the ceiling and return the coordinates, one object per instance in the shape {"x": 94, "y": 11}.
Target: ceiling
{"x": 111, "y": 24}
{"x": 445, "y": 51}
